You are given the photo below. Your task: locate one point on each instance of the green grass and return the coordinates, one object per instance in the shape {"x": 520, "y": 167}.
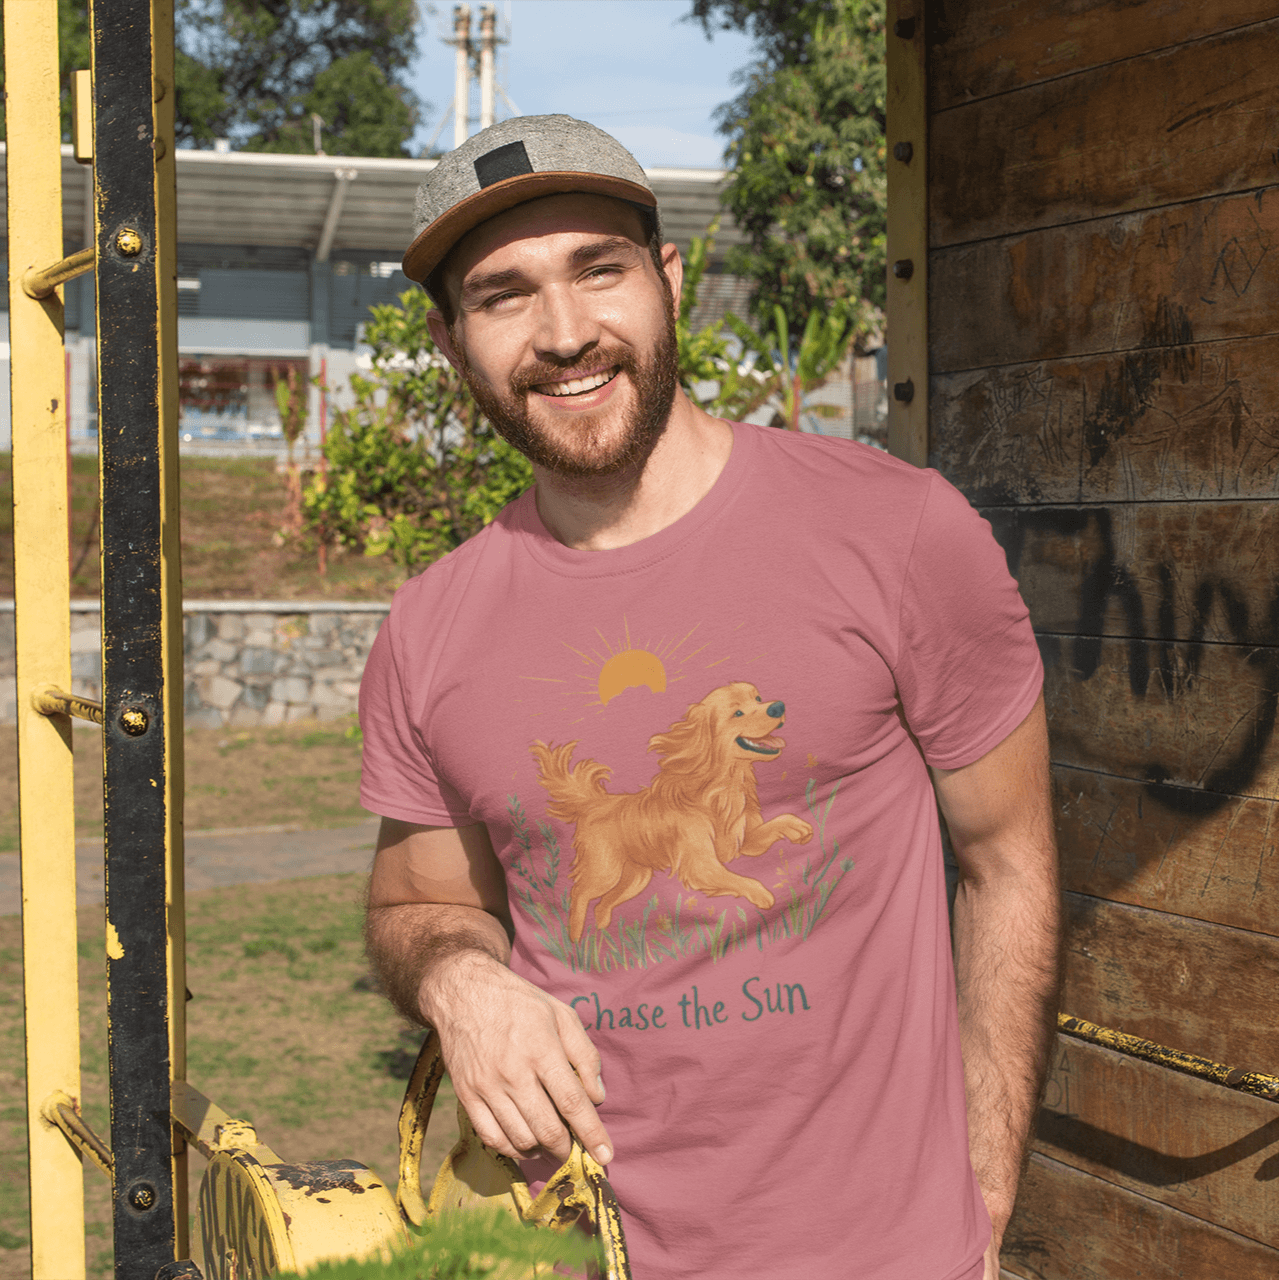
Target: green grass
{"x": 284, "y": 1030}
{"x": 545, "y": 894}
{"x": 470, "y": 1246}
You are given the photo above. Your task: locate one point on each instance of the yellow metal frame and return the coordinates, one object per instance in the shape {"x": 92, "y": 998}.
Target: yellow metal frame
{"x": 43, "y": 637}
{"x": 907, "y": 310}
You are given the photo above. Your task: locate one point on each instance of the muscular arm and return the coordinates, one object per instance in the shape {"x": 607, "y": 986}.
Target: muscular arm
{"x": 1007, "y": 948}
{"x": 437, "y": 932}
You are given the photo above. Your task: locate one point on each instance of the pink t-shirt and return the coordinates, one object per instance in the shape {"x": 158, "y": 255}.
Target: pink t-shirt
{"x": 749, "y": 919}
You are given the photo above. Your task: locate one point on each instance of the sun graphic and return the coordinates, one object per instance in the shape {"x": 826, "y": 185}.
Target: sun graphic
{"x": 613, "y": 667}
{"x": 631, "y": 669}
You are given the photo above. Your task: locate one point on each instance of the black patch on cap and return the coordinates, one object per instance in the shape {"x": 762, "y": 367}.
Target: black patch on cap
{"x": 503, "y": 162}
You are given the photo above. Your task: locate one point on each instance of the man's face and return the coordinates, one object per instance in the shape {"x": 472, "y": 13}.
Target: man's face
{"x": 565, "y": 332}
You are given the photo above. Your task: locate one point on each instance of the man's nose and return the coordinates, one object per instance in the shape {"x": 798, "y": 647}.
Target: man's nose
{"x": 566, "y": 327}
{"x": 776, "y": 710}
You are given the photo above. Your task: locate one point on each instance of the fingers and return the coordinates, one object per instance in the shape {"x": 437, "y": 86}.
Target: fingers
{"x": 526, "y": 1073}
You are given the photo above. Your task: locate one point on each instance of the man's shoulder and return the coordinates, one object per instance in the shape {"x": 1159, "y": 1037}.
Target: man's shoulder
{"x": 453, "y": 570}
{"x": 830, "y": 469}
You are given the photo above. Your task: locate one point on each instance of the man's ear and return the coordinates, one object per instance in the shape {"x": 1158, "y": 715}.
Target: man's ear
{"x": 673, "y": 269}
{"x": 443, "y": 339}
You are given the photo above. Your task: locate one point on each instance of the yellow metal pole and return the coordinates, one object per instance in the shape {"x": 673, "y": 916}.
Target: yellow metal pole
{"x": 162, "y": 34}
{"x": 907, "y": 310}
{"x": 41, "y": 592}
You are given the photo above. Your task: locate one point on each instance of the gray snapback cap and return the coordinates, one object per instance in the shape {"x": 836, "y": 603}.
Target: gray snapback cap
{"x": 508, "y": 163}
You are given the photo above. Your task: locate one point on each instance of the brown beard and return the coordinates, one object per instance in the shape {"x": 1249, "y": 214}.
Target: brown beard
{"x": 654, "y": 379}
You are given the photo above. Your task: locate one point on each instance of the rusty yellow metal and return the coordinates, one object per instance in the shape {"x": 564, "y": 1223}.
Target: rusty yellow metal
{"x": 1258, "y": 1083}
{"x": 258, "y": 1214}
{"x": 473, "y": 1176}
{"x": 49, "y": 700}
{"x": 61, "y": 1109}
{"x": 40, "y": 282}
{"x": 906, "y": 138}
{"x": 41, "y": 594}
{"x": 82, "y": 116}
{"x": 166, "y": 249}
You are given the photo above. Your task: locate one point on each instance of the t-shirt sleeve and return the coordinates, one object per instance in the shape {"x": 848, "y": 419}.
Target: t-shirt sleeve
{"x": 968, "y": 669}
{"x": 398, "y": 778}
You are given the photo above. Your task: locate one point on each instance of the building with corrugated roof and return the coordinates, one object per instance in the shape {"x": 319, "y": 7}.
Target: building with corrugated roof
{"x": 279, "y": 259}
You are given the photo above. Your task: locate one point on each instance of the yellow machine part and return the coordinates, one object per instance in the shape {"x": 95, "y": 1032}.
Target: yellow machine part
{"x": 256, "y": 1218}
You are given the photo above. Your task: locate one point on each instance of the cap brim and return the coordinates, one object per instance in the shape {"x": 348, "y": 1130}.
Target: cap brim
{"x": 435, "y": 240}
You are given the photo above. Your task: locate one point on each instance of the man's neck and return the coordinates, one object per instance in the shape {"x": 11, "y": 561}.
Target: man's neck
{"x": 614, "y": 511}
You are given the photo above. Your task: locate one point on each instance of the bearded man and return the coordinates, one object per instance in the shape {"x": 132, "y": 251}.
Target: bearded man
{"x": 599, "y": 862}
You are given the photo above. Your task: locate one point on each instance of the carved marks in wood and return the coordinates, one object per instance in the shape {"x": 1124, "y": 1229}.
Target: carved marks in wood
{"x": 1193, "y": 986}
{"x": 1071, "y": 1226}
{"x": 1196, "y": 119}
{"x": 983, "y": 47}
{"x": 1188, "y": 1143}
{"x": 1116, "y": 841}
{"x": 1195, "y": 272}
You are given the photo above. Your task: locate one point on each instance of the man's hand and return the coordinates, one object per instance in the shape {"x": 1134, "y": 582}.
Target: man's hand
{"x": 519, "y": 1059}
{"x": 1007, "y": 932}
{"x": 438, "y": 930}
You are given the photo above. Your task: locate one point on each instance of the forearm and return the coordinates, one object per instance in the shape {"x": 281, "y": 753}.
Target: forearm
{"x": 1007, "y": 948}
{"x": 414, "y": 949}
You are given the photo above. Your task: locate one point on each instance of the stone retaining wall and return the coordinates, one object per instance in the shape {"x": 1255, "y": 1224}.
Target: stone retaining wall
{"x": 246, "y": 662}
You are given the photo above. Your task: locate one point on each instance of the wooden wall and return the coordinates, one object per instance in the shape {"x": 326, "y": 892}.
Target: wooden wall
{"x": 1104, "y": 384}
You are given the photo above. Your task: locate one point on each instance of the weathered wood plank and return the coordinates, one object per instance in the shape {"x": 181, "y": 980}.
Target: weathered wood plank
{"x": 1197, "y": 722}
{"x": 982, "y": 47}
{"x": 1071, "y": 1226}
{"x": 1114, "y": 428}
{"x": 1118, "y": 841}
{"x": 1193, "y": 986}
{"x": 1172, "y": 571}
{"x": 1184, "y": 1142}
{"x": 1197, "y": 119}
{"x": 1167, "y": 278}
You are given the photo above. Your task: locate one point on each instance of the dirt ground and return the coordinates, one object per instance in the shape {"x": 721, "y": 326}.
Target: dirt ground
{"x": 305, "y": 774}
{"x": 283, "y": 1030}
{"x": 232, "y": 510}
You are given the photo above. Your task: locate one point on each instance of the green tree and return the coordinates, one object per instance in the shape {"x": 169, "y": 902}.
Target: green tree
{"x": 255, "y": 71}
{"x": 806, "y": 152}
{"x": 412, "y": 469}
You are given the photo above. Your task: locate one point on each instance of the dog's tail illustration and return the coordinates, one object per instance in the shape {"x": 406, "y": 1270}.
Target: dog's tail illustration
{"x": 571, "y": 790}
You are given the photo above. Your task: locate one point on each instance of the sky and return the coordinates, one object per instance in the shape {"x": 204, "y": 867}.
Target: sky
{"x": 632, "y": 67}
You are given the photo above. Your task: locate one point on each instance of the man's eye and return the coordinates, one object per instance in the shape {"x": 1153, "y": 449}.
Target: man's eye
{"x": 737, "y": 713}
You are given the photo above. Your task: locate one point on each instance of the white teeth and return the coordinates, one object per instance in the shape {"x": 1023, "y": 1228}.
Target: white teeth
{"x": 576, "y": 386}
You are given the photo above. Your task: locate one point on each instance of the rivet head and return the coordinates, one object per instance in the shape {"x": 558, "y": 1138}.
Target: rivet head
{"x": 128, "y": 242}
{"x": 903, "y": 151}
{"x": 141, "y": 1197}
{"x": 904, "y": 391}
{"x": 134, "y": 721}
{"x": 904, "y": 28}
{"x": 903, "y": 268}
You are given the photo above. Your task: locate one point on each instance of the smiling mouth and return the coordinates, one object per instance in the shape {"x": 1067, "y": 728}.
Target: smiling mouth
{"x": 578, "y": 386}
{"x": 769, "y": 746}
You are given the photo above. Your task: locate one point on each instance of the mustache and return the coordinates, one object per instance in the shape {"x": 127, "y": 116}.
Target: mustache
{"x": 537, "y": 372}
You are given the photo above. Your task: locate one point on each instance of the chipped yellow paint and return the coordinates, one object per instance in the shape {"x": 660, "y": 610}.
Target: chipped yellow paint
{"x": 43, "y": 635}
{"x": 1258, "y": 1083}
{"x": 114, "y": 949}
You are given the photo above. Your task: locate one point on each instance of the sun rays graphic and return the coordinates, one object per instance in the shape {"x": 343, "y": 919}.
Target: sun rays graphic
{"x": 616, "y": 665}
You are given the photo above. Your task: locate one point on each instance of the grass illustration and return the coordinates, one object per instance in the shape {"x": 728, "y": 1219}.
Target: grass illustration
{"x": 656, "y": 936}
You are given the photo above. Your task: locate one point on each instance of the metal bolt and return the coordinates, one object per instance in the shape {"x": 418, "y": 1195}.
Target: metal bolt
{"x": 128, "y": 242}
{"x": 134, "y": 721}
{"x": 903, "y": 268}
{"x": 905, "y": 28}
{"x": 904, "y": 391}
{"x": 141, "y": 1197}
{"x": 903, "y": 151}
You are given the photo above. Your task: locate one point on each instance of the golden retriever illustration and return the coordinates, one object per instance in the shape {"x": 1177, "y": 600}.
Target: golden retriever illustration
{"x": 698, "y": 814}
